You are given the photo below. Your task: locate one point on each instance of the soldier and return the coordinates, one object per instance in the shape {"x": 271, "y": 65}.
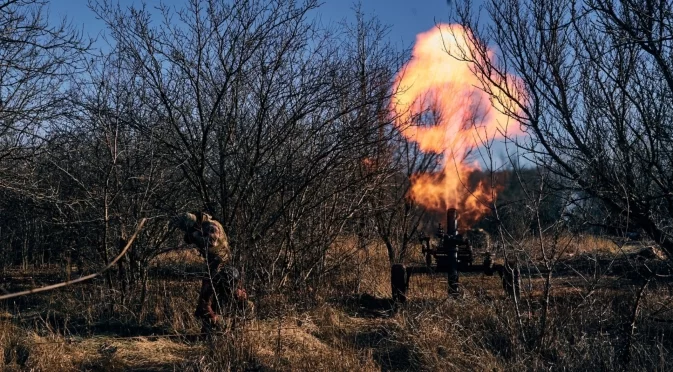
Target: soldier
{"x": 222, "y": 283}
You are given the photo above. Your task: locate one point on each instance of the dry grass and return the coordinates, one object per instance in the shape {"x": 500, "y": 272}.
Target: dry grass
{"x": 186, "y": 257}
{"x": 353, "y": 327}
{"x": 24, "y": 350}
{"x": 567, "y": 246}
{"x": 596, "y": 244}
{"x": 294, "y": 344}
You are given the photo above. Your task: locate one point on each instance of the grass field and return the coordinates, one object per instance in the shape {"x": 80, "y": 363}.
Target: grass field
{"x": 351, "y": 324}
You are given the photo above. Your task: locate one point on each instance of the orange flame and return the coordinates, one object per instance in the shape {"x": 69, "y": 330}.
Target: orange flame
{"x": 435, "y": 84}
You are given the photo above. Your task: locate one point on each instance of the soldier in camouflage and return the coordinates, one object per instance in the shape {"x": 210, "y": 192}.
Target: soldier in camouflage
{"x": 222, "y": 283}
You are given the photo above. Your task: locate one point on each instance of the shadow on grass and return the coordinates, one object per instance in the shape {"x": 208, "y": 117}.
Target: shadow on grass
{"x": 51, "y": 321}
{"x": 386, "y": 349}
{"x": 366, "y": 306}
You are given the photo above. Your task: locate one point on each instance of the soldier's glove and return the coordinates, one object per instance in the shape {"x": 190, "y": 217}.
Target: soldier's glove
{"x": 189, "y": 238}
{"x": 240, "y": 294}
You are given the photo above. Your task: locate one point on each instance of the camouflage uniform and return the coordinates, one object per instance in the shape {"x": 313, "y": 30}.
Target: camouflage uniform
{"x": 221, "y": 284}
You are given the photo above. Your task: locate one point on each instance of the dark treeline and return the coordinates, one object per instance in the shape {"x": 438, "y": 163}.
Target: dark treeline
{"x": 253, "y": 111}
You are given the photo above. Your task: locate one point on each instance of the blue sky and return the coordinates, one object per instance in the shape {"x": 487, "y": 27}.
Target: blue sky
{"x": 406, "y": 18}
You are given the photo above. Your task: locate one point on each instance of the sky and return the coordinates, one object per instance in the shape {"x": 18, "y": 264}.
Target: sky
{"x": 405, "y": 18}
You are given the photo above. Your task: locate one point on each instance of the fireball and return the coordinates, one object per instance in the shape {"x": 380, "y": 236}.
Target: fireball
{"x": 435, "y": 86}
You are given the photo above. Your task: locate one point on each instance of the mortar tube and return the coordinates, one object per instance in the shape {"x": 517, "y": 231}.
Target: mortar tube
{"x": 452, "y": 222}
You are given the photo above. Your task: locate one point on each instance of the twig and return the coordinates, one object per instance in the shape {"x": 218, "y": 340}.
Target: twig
{"x": 626, "y": 357}
{"x": 81, "y": 279}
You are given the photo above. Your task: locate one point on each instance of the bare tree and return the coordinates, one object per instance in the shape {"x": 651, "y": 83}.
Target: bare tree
{"x": 36, "y": 61}
{"x": 590, "y": 84}
{"x": 399, "y": 220}
{"x": 263, "y": 113}
{"x": 111, "y": 174}
{"x": 593, "y": 92}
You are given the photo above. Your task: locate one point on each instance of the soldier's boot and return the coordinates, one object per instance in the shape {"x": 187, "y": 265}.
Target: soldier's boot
{"x": 210, "y": 322}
